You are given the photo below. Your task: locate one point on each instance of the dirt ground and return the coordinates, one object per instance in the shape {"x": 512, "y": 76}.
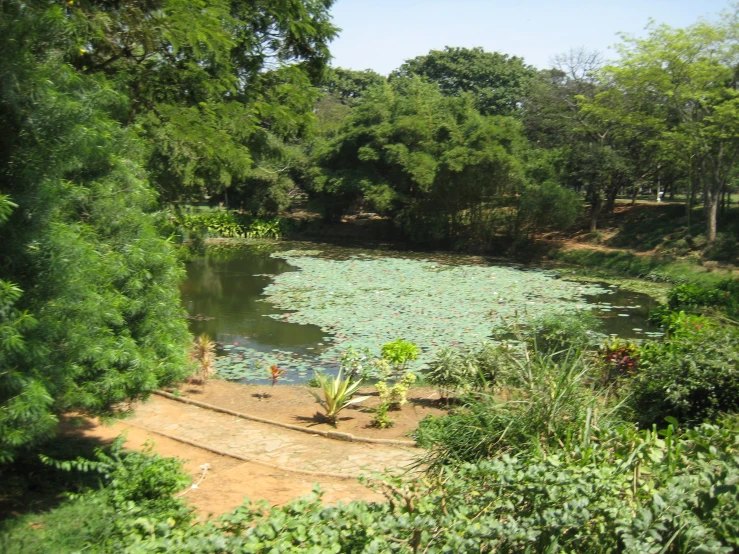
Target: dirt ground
{"x": 295, "y": 405}
{"x": 228, "y": 481}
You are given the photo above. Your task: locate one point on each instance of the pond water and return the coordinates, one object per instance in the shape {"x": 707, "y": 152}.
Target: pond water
{"x": 300, "y": 305}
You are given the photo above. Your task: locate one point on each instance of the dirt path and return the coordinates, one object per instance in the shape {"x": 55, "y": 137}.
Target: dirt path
{"x": 272, "y": 446}
{"x": 283, "y": 465}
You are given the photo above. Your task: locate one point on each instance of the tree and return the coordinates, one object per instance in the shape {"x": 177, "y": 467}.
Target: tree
{"x": 693, "y": 75}
{"x": 90, "y": 315}
{"x": 216, "y": 87}
{"x": 498, "y": 83}
{"x": 432, "y": 162}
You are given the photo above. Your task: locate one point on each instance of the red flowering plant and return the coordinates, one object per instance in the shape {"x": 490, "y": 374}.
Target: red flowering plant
{"x": 619, "y": 359}
{"x": 275, "y": 373}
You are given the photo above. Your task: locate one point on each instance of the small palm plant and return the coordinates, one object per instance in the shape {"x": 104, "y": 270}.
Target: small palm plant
{"x": 337, "y": 394}
{"x": 204, "y": 354}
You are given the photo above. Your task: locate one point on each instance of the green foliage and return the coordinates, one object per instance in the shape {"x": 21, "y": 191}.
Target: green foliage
{"x": 100, "y": 282}
{"x": 356, "y": 362}
{"x": 623, "y": 490}
{"x": 498, "y": 83}
{"x": 725, "y": 248}
{"x": 337, "y": 394}
{"x": 381, "y": 420}
{"x": 544, "y": 402}
{"x": 546, "y": 206}
{"x": 220, "y": 90}
{"x": 433, "y": 163}
{"x": 231, "y": 224}
{"x": 724, "y": 295}
{"x": 142, "y": 480}
{"x": 619, "y": 359}
{"x": 135, "y": 496}
{"x": 692, "y": 375}
{"x": 395, "y": 396}
{"x": 456, "y": 370}
{"x": 557, "y": 334}
{"x": 399, "y": 352}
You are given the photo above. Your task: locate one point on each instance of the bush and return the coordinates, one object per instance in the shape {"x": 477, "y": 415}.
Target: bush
{"x": 692, "y": 297}
{"x": 691, "y": 375}
{"x": 618, "y": 359}
{"x": 545, "y": 402}
{"x": 724, "y": 249}
{"x": 399, "y": 353}
{"x": 557, "y": 334}
{"x": 230, "y": 224}
{"x": 454, "y": 370}
{"x": 623, "y": 491}
{"x": 394, "y": 397}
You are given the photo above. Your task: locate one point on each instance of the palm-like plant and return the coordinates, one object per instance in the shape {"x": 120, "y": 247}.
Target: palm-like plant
{"x": 204, "y": 354}
{"x": 337, "y": 394}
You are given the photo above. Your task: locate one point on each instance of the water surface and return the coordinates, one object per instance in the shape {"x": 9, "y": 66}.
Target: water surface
{"x": 224, "y": 296}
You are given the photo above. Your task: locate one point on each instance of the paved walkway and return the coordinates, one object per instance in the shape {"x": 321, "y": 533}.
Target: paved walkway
{"x": 267, "y": 444}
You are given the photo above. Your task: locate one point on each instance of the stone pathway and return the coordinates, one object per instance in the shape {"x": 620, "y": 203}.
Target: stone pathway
{"x": 267, "y": 444}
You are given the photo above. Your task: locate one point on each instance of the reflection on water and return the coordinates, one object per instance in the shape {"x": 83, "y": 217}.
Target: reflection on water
{"x": 223, "y": 298}
{"x": 223, "y": 295}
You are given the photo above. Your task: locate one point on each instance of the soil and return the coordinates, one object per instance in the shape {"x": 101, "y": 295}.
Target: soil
{"x": 228, "y": 481}
{"x": 295, "y": 405}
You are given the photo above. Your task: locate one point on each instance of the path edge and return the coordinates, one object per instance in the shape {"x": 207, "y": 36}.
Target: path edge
{"x": 335, "y": 435}
{"x": 240, "y": 457}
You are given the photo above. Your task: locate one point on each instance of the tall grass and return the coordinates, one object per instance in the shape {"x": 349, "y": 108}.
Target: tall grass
{"x": 545, "y": 402}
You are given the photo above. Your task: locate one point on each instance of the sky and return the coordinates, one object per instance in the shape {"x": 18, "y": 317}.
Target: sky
{"x": 382, "y": 34}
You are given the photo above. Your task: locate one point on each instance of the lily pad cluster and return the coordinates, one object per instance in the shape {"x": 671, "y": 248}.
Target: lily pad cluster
{"x": 365, "y": 302}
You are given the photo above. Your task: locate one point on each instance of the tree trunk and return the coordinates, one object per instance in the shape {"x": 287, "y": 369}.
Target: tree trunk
{"x": 612, "y": 193}
{"x": 711, "y": 200}
{"x": 711, "y": 219}
{"x": 596, "y": 206}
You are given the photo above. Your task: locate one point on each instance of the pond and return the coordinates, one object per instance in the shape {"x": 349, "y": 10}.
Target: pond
{"x": 300, "y": 305}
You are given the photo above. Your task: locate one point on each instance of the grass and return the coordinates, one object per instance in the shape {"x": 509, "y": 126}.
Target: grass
{"x": 656, "y": 268}
{"x": 73, "y": 526}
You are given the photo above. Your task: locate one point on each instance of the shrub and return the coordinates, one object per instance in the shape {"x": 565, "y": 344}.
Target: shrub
{"x": 545, "y": 402}
{"x": 394, "y": 397}
{"x": 381, "y": 419}
{"x": 627, "y": 491}
{"x": 691, "y": 375}
{"x": 724, "y": 249}
{"x": 356, "y": 362}
{"x": 230, "y": 224}
{"x": 619, "y": 359}
{"x": 337, "y": 394}
{"x": 454, "y": 370}
{"x": 692, "y": 297}
{"x": 399, "y": 353}
{"x": 553, "y": 334}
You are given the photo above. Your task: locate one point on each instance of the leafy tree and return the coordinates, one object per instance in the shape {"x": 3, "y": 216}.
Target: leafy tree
{"x": 430, "y": 161}
{"x": 684, "y": 83}
{"x": 498, "y": 82}
{"x": 100, "y": 322}
{"x": 348, "y": 85}
{"x": 219, "y": 89}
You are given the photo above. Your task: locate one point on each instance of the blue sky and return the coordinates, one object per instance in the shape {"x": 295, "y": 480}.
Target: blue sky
{"x": 381, "y": 34}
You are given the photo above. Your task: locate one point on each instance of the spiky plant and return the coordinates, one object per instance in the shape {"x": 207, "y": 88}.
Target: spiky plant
{"x": 204, "y": 354}
{"x": 337, "y": 394}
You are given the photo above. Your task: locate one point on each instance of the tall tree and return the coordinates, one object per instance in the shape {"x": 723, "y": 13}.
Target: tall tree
{"x": 430, "y": 161}
{"x": 90, "y": 315}
{"x": 498, "y": 83}
{"x": 692, "y": 75}
{"x": 216, "y": 87}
